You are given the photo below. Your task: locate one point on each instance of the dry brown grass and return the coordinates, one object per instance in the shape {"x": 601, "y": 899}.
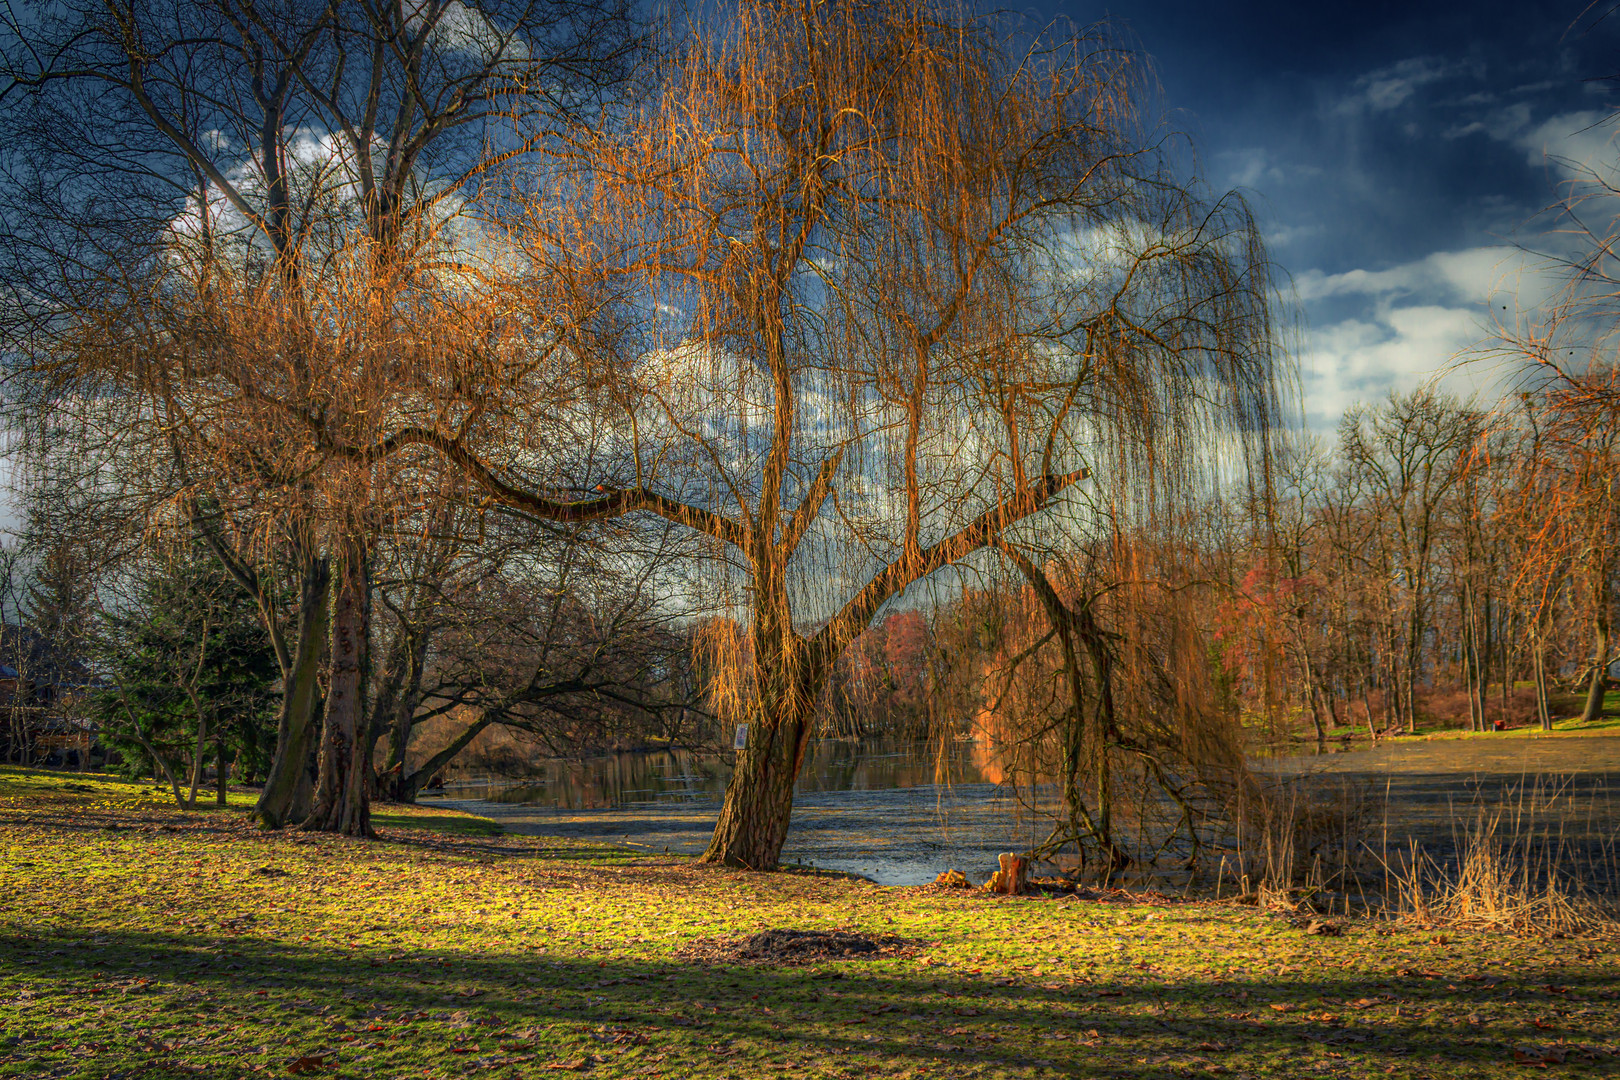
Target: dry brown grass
{"x": 1499, "y": 881}
{"x": 1297, "y": 838}
{"x": 1310, "y": 843}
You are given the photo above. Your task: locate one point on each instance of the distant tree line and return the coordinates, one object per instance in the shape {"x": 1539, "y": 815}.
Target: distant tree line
{"x": 1441, "y": 565}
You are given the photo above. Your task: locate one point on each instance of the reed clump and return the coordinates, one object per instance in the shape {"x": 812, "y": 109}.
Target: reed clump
{"x": 1502, "y": 879}
{"x": 1530, "y": 858}
{"x": 1298, "y": 841}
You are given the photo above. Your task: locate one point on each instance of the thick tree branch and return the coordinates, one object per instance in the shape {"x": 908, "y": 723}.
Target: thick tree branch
{"x": 855, "y": 615}
{"x": 810, "y": 505}
{"x": 611, "y": 504}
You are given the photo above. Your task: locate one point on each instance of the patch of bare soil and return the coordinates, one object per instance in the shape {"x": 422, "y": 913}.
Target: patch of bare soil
{"x": 786, "y": 948}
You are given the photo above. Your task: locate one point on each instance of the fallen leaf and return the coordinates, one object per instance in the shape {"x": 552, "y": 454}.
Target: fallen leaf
{"x": 579, "y": 1064}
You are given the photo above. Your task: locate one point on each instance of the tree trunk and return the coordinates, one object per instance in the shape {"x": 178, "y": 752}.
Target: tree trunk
{"x": 1318, "y": 714}
{"x": 788, "y": 675}
{"x": 1366, "y": 698}
{"x": 197, "y": 754}
{"x": 286, "y": 796}
{"x": 754, "y": 818}
{"x": 1543, "y": 711}
{"x": 385, "y": 690}
{"x": 1390, "y": 679}
{"x": 404, "y": 788}
{"x": 1313, "y": 694}
{"x": 1414, "y": 660}
{"x": 1487, "y": 649}
{"x": 221, "y": 779}
{"x": 1469, "y": 655}
{"x": 303, "y": 798}
{"x": 400, "y": 719}
{"x": 1078, "y": 624}
{"x": 1600, "y": 664}
{"x": 1106, "y": 731}
{"x": 343, "y": 786}
{"x": 1505, "y": 659}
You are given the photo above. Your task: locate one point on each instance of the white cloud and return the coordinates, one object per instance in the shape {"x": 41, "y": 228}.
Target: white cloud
{"x": 1389, "y": 88}
{"x": 1281, "y": 236}
{"x": 1362, "y": 359}
{"x": 1411, "y": 325}
{"x": 1472, "y": 276}
{"x": 1257, "y": 166}
{"x": 1573, "y": 142}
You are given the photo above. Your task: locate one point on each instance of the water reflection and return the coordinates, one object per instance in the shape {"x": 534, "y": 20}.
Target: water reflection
{"x": 879, "y": 810}
{"x": 666, "y": 777}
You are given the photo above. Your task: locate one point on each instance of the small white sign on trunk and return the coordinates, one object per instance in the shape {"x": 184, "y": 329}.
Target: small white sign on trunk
{"x": 741, "y": 740}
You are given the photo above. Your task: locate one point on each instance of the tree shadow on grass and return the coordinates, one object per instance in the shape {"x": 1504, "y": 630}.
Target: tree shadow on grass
{"x": 382, "y": 1008}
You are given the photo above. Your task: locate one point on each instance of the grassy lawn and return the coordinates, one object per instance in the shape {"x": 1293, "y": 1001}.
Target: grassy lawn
{"x": 1566, "y": 709}
{"x": 138, "y": 941}
{"x": 1607, "y": 724}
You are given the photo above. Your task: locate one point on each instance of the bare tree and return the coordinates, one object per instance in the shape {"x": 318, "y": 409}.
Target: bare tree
{"x": 203, "y": 185}
{"x": 1411, "y": 452}
{"x": 569, "y": 636}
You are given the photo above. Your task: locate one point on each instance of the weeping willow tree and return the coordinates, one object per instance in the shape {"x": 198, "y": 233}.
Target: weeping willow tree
{"x": 925, "y": 282}
{"x": 892, "y": 286}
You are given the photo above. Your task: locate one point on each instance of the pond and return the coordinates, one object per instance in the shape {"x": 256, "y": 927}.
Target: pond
{"x": 896, "y": 812}
{"x": 899, "y": 813}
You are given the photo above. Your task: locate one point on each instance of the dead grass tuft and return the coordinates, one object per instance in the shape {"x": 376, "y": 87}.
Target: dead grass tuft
{"x": 1498, "y": 882}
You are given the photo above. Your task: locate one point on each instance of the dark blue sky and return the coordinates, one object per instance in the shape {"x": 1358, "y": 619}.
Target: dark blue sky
{"x": 1395, "y": 152}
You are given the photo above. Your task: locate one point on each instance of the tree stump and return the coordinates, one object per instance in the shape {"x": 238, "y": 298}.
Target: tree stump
{"x": 1013, "y": 877}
